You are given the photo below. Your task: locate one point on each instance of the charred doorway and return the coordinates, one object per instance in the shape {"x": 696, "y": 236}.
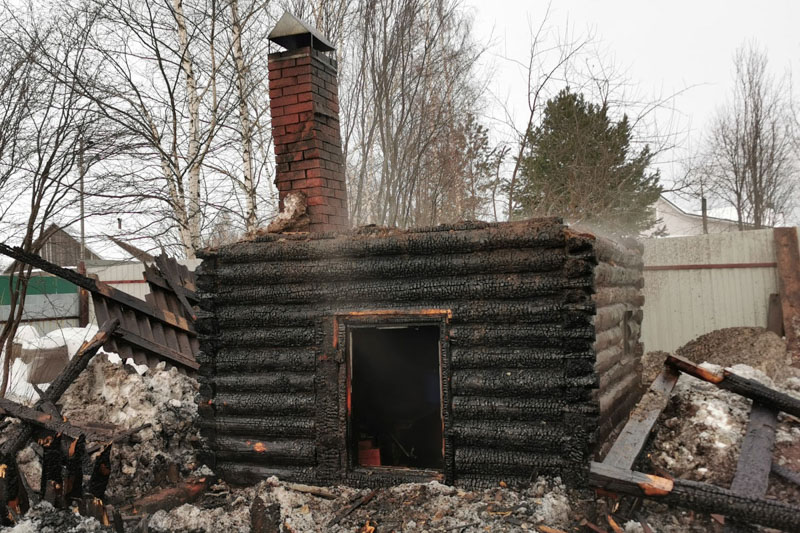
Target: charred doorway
{"x": 395, "y": 395}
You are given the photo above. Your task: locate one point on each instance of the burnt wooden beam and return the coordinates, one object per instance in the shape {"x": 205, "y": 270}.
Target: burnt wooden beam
{"x": 732, "y": 382}
{"x": 73, "y": 484}
{"x": 153, "y": 277}
{"x": 702, "y": 497}
{"x": 170, "y": 497}
{"x": 785, "y": 473}
{"x": 52, "y": 481}
{"x": 57, "y": 388}
{"x": 533, "y": 233}
{"x": 787, "y": 254}
{"x": 13, "y": 495}
{"x": 40, "y": 419}
{"x": 118, "y": 438}
{"x": 352, "y": 507}
{"x": 160, "y": 351}
{"x": 631, "y": 441}
{"x": 101, "y": 471}
{"x": 755, "y": 458}
{"x": 170, "y": 273}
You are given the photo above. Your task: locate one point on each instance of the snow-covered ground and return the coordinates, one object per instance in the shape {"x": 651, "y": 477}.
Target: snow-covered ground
{"x": 28, "y": 337}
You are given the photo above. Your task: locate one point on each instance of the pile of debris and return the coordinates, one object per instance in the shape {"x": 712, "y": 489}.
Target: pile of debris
{"x": 408, "y": 507}
{"x": 159, "y": 404}
{"x": 700, "y": 434}
{"x": 157, "y": 483}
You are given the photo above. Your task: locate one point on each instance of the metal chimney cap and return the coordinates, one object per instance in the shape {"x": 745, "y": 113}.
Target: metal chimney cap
{"x": 292, "y": 33}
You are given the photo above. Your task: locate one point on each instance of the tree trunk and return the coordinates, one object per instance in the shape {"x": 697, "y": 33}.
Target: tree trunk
{"x": 244, "y": 119}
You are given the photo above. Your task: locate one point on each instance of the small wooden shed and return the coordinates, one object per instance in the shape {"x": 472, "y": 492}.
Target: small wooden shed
{"x": 468, "y": 353}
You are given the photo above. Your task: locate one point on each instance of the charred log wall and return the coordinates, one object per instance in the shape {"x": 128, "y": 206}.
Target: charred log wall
{"x": 619, "y": 300}
{"x": 521, "y": 366}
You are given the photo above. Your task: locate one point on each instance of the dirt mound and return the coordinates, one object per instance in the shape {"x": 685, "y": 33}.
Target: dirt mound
{"x": 755, "y": 347}
{"x": 652, "y": 365}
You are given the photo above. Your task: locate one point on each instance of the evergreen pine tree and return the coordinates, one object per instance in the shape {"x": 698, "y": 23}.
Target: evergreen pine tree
{"x": 580, "y": 165}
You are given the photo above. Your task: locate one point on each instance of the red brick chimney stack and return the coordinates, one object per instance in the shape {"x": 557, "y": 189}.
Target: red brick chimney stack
{"x": 305, "y": 122}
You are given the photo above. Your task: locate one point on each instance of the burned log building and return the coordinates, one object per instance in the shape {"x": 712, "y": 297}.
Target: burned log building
{"x": 469, "y": 353}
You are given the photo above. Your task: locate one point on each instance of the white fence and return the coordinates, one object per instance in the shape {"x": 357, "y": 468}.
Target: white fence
{"x": 694, "y": 285}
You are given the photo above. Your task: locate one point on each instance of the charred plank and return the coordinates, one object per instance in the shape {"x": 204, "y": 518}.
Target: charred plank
{"x": 630, "y": 442}
{"x": 732, "y": 382}
{"x": 696, "y": 496}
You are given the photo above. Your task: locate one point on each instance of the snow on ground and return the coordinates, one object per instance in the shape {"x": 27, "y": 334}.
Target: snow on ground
{"x": 19, "y": 389}
{"x": 117, "y": 394}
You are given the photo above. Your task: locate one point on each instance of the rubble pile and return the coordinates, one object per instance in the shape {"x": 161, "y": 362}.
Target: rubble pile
{"x": 697, "y": 437}
{"x": 117, "y": 394}
{"x": 699, "y": 434}
{"x": 410, "y": 507}
{"x": 44, "y": 518}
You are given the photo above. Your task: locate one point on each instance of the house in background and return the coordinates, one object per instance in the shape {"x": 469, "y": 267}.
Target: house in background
{"x": 62, "y": 249}
{"x": 679, "y": 223}
{"x": 52, "y": 303}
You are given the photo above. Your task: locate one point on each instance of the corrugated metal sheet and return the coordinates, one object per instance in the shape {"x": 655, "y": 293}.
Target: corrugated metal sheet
{"x": 714, "y": 281}
{"x": 46, "y": 297}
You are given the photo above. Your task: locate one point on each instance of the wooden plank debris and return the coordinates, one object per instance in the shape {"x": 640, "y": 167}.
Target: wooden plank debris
{"x": 696, "y": 496}
{"x": 169, "y": 270}
{"x": 748, "y": 388}
{"x": 169, "y": 497}
{"x": 631, "y": 441}
{"x": 42, "y": 420}
{"x": 352, "y": 507}
{"x": 56, "y": 389}
{"x": 150, "y": 331}
{"x": 785, "y": 473}
{"x": 755, "y": 458}
{"x": 118, "y": 437}
{"x": 787, "y": 254}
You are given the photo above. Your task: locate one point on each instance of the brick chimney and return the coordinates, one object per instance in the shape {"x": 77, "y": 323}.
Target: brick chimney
{"x": 305, "y": 123}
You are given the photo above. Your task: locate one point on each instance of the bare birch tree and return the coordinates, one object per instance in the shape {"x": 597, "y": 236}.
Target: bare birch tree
{"x": 44, "y": 127}
{"x": 751, "y": 158}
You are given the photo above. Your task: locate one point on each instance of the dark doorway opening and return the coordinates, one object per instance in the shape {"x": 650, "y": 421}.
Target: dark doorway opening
{"x": 396, "y": 396}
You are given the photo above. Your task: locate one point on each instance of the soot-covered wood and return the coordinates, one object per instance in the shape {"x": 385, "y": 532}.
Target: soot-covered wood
{"x": 618, "y": 298}
{"x": 519, "y": 341}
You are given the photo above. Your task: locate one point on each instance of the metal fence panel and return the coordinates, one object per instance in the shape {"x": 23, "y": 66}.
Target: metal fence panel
{"x": 694, "y": 285}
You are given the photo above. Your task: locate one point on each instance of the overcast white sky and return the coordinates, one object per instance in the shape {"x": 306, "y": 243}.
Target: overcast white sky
{"x": 664, "y": 46}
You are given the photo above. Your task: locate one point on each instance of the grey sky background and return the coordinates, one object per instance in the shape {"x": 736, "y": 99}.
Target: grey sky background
{"x": 663, "y": 48}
